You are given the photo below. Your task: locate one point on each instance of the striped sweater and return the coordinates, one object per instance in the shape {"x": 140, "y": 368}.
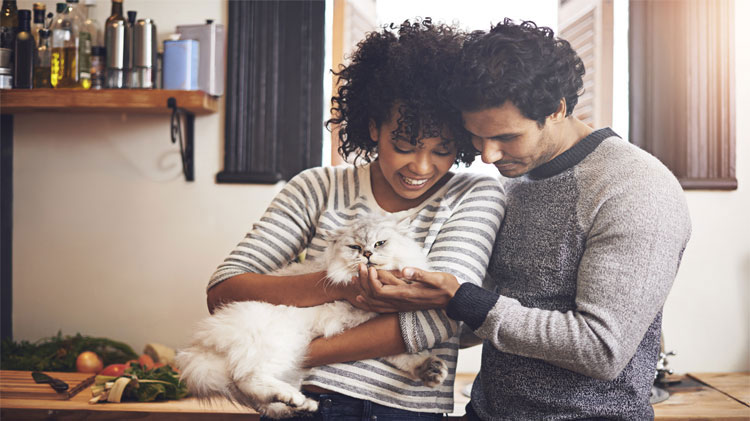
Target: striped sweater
{"x": 456, "y": 228}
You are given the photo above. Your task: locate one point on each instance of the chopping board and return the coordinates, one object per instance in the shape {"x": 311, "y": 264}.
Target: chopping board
{"x": 19, "y": 384}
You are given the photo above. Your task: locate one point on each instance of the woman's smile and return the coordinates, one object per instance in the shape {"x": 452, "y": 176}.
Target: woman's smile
{"x": 414, "y": 183}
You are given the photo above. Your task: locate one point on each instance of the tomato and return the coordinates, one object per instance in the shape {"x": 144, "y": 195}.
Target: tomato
{"x": 146, "y": 361}
{"x": 115, "y": 370}
{"x": 88, "y": 362}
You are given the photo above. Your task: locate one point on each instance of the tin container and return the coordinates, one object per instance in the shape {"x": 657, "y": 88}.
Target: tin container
{"x": 6, "y": 78}
{"x": 212, "y": 52}
{"x": 145, "y": 53}
{"x": 181, "y": 63}
{"x": 115, "y": 48}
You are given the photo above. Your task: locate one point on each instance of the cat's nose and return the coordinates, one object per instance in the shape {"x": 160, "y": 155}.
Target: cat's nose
{"x": 367, "y": 254}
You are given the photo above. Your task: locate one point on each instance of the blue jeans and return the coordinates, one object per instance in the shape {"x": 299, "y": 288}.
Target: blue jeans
{"x": 338, "y": 407}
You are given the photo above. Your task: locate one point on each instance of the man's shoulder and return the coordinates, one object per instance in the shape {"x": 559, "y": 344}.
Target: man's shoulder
{"x": 621, "y": 163}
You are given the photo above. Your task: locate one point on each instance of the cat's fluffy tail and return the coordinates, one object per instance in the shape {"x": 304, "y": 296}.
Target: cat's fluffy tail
{"x": 205, "y": 373}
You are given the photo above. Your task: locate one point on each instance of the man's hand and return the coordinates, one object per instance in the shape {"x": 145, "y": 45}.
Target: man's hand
{"x": 412, "y": 289}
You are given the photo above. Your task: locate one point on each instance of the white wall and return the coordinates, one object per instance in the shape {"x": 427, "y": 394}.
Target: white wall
{"x": 110, "y": 241}
{"x": 707, "y": 315}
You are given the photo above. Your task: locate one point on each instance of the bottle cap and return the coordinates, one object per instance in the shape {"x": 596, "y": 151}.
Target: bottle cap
{"x": 72, "y": 1}
{"x": 131, "y": 16}
{"x": 40, "y": 6}
{"x": 61, "y": 7}
{"x": 24, "y": 15}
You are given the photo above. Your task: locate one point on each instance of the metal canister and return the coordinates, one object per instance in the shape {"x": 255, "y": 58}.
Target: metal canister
{"x": 130, "y": 75}
{"x": 145, "y": 54}
{"x": 115, "y": 47}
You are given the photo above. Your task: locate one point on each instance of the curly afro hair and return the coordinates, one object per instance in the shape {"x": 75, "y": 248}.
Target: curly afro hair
{"x": 404, "y": 66}
{"x": 521, "y": 63}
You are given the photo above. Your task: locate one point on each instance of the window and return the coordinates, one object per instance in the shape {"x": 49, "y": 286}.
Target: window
{"x": 588, "y": 26}
{"x": 682, "y": 105}
{"x": 274, "y": 101}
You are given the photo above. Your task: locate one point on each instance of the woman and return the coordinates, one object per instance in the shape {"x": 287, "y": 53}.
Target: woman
{"x": 394, "y": 124}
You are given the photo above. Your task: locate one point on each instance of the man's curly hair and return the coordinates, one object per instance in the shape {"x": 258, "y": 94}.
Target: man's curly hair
{"x": 404, "y": 65}
{"x": 521, "y": 63}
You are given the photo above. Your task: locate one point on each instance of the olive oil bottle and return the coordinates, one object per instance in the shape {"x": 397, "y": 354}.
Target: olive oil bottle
{"x": 43, "y": 61}
{"x": 64, "y": 64}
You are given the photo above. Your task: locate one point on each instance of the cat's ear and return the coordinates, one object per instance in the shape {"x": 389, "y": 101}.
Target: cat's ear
{"x": 328, "y": 235}
{"x": 334, "y": 235}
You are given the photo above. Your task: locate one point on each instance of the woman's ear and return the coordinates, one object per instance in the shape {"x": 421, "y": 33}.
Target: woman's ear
{"x": 374, "y": 131}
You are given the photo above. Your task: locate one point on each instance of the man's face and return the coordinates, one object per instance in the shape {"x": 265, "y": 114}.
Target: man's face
{"x": 510, "y": 141}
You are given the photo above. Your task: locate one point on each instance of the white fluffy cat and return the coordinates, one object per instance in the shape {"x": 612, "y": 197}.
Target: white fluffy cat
{"x": 251, "y": 352}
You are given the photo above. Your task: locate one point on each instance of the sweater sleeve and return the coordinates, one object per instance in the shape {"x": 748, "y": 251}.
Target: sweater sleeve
{"x": 283, "y": 231}
{"x": 462, "y": 247}
{"x": 632, "y": 253}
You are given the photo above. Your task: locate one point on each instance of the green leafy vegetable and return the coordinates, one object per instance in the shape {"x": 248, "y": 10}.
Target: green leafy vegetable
{"x": 156, "y": 384}
{"x": 59, "y": 353}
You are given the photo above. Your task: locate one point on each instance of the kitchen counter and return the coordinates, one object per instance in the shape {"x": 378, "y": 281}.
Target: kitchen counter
{"x": 698, "y": 396}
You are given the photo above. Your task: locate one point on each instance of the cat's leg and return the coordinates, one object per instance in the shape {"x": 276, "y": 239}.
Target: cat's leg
{"x": 333, "y": 318}
{"x": 266, "y": 390}
{"x": 278, "y": 410}
{"x": 431, "y": 370}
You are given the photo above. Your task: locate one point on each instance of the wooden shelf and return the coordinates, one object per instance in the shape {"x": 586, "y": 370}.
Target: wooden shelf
{"x": 14, "y": 101}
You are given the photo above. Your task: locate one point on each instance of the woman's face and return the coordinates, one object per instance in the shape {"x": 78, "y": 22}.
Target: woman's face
{"x": 412, "y": 172}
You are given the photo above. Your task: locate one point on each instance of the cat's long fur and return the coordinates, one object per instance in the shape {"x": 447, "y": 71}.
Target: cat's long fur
{"x": 252, "y": 352}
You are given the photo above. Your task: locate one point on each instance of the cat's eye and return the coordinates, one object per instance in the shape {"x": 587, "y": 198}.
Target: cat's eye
{"x": 353, "y": 247}
{"x": 380, "y": 243}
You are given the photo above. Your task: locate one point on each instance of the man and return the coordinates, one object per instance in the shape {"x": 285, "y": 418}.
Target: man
{"x": 593, "y": 234}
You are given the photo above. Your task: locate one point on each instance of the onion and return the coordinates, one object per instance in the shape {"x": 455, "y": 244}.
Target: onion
{"x": 88, "y": 362}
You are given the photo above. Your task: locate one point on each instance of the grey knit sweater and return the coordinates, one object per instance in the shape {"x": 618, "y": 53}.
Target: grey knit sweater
{"x": 582, "y": 265}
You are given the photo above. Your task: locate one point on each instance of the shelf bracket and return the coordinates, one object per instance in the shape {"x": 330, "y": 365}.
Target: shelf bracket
{"x": 175, "y": 131}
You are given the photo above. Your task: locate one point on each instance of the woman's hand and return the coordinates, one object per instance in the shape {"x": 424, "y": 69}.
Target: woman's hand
{"x": 415, "y": 289}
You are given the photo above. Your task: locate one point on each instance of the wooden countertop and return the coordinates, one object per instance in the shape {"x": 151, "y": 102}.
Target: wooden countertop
{"x": 699, "y": 396}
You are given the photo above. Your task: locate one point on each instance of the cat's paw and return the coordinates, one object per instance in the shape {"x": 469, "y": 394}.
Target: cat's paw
{"x": 276, "y": 411}
{"x": 280, "y": 410}
{"x": 294, "y": 399}
{"x": 310, "y": 405}
{"x": 432, "y": 371}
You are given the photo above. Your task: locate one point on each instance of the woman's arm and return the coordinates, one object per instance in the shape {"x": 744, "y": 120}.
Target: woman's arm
{"x": 378, "y": 337}
{"x": 286, "y": 228}
{"x": 298, "y": 290}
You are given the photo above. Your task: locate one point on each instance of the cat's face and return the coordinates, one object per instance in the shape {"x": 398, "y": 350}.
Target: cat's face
{"x": 374, "y": 242}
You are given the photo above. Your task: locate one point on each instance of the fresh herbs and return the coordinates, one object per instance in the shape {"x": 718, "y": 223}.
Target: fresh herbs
{"x": 139, "y": 383}
{"x": 59, "y": 353}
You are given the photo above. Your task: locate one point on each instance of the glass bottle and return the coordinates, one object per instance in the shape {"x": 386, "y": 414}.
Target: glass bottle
{"x": 43, "y": 61}
{"x": 130, "y": 77}
{"x": 84, "y": 43}
{"x": 40, "y": 9}
{"x": 97, "y": 46}
{"x": 114, "y": 43}
{"x": 92, "y": 25}
{"x": 8, "y": 24}
{"x": 64, "y": 63}
{"x": 25, "y": 52}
